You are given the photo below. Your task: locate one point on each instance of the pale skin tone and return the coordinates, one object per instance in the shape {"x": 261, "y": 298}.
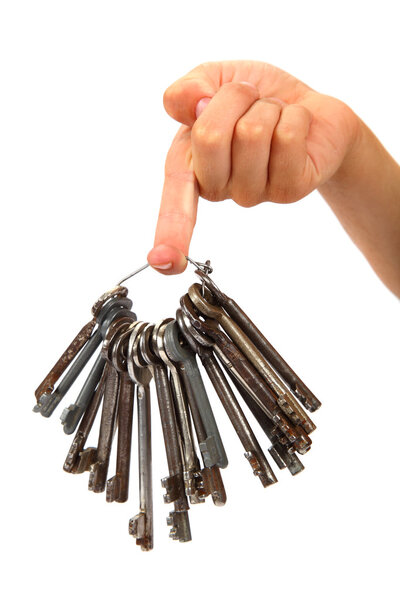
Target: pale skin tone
{"x": 253, "y": 133}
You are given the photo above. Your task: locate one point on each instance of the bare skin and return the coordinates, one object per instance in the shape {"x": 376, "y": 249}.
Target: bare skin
{"x": 253, "y": 133}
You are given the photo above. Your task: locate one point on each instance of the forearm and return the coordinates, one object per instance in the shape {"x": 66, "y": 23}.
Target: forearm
{"x": 364, "y": 194}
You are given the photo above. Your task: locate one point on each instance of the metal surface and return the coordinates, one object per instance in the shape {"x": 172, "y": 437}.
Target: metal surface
{"x": 190, "y": 459}
{"x": 174, "y": 483}
{"x": 98, "y": 473}
{"x": 141, "y": 525}
{"x": 211, "y": 447}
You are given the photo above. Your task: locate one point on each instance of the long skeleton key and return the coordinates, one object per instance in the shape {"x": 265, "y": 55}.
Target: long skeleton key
{"x": 118, "y": 486}
{"x": 190, "y": 459}
{"x": 141, "y": 525}
{"x": 285, "y": 398}
{"x": 247, "y": 374}
{"x": 306, "y": 397}
{"x": 254, "y": 453}
{"x": 173, "y": 484}
{"x": 49, "y": 400}
{"x": 212, "y": 449}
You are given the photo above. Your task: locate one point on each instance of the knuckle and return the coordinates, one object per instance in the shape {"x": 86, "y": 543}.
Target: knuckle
{"x": 250, "y": 131}
{"x": 287, "y": 133}
{"x": 206, "y": 137}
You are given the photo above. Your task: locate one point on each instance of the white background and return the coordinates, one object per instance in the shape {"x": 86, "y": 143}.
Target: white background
{"x": 83, "y": 141}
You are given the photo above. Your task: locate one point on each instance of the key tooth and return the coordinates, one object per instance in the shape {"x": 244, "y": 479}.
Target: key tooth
{"x": 173, "y": 488}
{"x": 138, "y": 527}
{"x": 87, "y": 458}
{"x": 209, "y": 483}
{"x": 180, "y": 526}
{"x": 113, "y": 488}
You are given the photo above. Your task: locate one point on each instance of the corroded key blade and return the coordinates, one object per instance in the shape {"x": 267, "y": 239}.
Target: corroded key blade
{"x": 118, "y": 486}
{"x": 302, "y": 392}
{"x": 98, "y": 473}
{"x": 48, "y": 383}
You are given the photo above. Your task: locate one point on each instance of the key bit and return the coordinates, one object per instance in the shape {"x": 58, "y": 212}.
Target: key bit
{"x": 139, "y": 528}
{"x": 180, "y": 526}
{"x": 209, "y": 483}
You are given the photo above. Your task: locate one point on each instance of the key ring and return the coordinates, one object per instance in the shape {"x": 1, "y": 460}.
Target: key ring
{"x": 205, "y": 267}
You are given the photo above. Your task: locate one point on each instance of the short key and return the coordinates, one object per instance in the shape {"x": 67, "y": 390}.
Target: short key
{"x": 173, "y": 484}
{"x": 254, "y": 453}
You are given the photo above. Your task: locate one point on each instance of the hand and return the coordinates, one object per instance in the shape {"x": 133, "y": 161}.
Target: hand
{"x": 250, "y": 132}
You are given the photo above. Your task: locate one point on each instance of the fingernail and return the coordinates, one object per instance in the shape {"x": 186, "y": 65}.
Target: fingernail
{"x": 201, "y": 106}
{"x": 164, "y": 267}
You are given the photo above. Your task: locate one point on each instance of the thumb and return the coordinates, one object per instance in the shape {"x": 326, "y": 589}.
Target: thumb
{"x": 182, "y": 97}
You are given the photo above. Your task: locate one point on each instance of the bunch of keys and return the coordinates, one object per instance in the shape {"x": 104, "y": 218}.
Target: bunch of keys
{"x": 239, "y": 361}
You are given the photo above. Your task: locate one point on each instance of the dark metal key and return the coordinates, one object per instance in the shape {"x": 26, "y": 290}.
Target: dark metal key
{"x": 174, "y": 483}
{"x": 141, "y": 525}
{"x": 253, "y": 450}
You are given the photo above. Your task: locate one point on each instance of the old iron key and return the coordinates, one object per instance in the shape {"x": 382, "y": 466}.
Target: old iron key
{"x": 253, "y": 450}
{"x": 141, "y": 525}
{"x": 174, "y": 485}
{"x": 118, "y": 486}
{"x": 190, "y": 459}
